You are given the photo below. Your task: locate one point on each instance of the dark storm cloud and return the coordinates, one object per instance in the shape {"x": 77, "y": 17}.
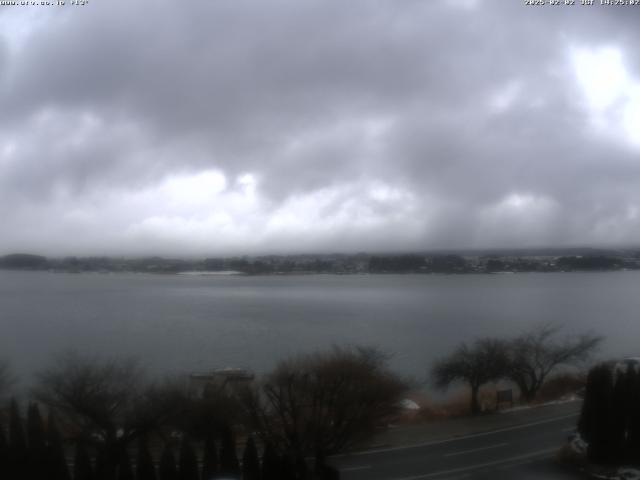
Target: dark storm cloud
{"x": 318, "y": 124}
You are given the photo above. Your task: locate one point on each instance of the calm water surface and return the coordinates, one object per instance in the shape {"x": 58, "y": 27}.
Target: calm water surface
{"x": 183, "y": 323}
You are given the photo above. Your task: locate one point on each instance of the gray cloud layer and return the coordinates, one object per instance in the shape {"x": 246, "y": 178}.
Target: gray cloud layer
{"x": 247, "y": 126}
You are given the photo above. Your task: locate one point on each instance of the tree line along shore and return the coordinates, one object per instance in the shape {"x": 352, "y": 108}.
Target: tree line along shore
{"x": 541, "y": 260}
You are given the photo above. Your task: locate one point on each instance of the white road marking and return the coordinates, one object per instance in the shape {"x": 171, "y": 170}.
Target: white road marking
{"x": 464, "y": 452}
{"x": 354, "y": 469}
{"x": 477, "y": 466}
{"x": 455, "y": 439}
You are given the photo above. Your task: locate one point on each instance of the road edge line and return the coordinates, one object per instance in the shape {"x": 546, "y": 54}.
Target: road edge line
{"x": 455, "y": 439}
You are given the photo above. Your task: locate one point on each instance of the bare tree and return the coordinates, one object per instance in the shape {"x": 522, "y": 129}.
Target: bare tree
{"x": 95, "y": 395}
{"x": 323, "y": 403}
{"x": 6, "y": 379}
{"x": 106, "y": 403}
{"x": 537, "y": 353}
{"x": 483, "y": 361}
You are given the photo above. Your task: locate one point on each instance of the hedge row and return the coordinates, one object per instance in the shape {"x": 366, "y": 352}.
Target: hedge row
{"x": 36, "y": 451}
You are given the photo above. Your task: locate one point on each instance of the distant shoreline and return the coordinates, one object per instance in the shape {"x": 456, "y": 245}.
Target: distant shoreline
{"x": 583, "y": 260}
{"x": 192, "y": 274}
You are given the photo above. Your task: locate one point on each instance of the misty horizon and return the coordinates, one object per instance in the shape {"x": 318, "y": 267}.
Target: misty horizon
{"x": 506, "y": 251}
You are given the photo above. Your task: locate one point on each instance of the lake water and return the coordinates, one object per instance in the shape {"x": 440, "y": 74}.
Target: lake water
{"x": 183, "y": 323}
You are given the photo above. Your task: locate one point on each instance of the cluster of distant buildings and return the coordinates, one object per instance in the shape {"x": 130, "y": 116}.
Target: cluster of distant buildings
{"x": 541, "y": 260}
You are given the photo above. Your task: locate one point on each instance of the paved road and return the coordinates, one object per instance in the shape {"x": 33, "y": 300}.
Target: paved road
{"x": 519, "y": 452}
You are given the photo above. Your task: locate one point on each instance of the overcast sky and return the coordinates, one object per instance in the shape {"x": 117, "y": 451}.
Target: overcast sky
{"x": 232, "y": 126}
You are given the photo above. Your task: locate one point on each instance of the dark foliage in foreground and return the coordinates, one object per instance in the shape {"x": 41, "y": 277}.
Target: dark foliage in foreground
{"x": 250, "y": 461}
{"x": 45, "y": 442}
{"x": 110, "y": 422}
{"x": 229, "y": 465}
{"x": 82, "y": 467}
{"x": 210, "y": 458}
{"x": 18, "y": 453}
{"x": 125, "y": 471}
{"x": 4, "y": 451}
{"x": 36, "y": 437}
{"x": 270, "y": 463}
{"x": 145, "y": 468}
{"x": 168, "y": 469}
{"x": 57, "y": 463}
{"x": 610, "y": 417}
{"x": 188, "y": 461}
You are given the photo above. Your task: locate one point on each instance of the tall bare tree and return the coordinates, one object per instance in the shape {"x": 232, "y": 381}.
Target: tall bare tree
{"x": 322, "y": 403}
{"x": 107, "y": 403}
{"x": 95, "y": 395}
{"x": 535, "y": 354}
{"x": 483, "y": 361}
{"x": 6, "y": 378}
